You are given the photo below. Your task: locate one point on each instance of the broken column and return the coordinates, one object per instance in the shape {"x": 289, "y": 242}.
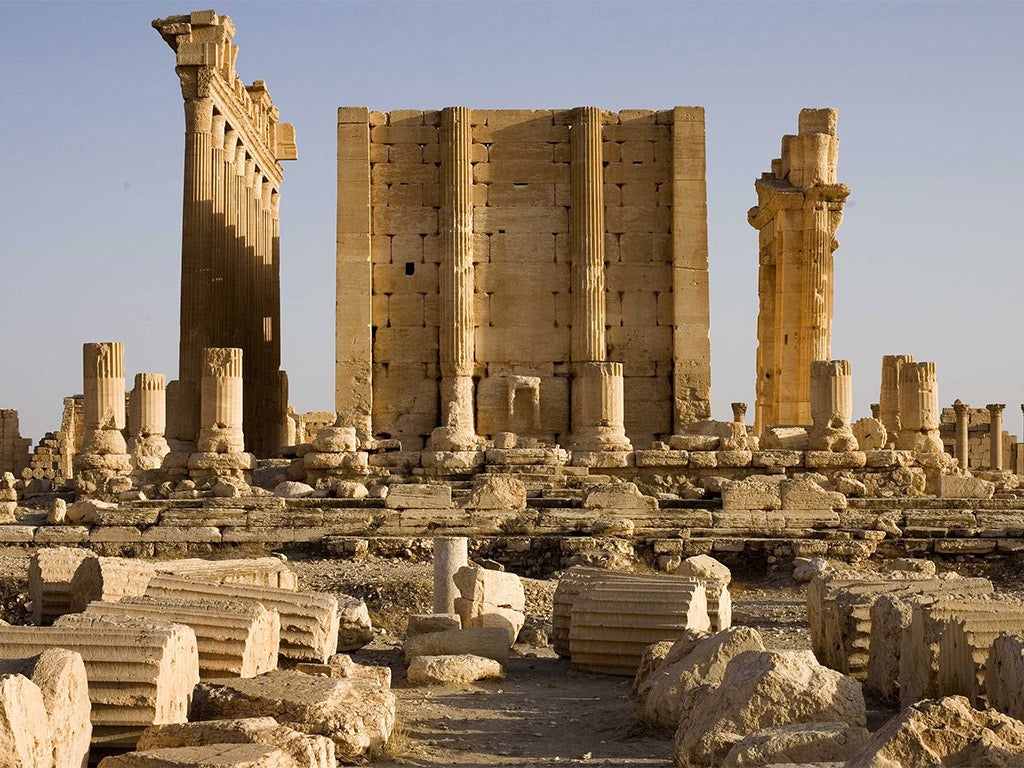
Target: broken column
{"x": 832, "y": 406}
{"x": 995, "y": 435}
{"x": 963, "y": 451}
{"x": 103, "y": 464}
{"x": 800, "y": 207}
{"x": 597, "y": 387}
{"x": 147, "y": 421}
{"x": 889, "y": 396}
{"x": 220, "y": 450}
{"x": 457, "y": 431}
{"x": 919, "y": 409}
{"x": 450, "y": 554}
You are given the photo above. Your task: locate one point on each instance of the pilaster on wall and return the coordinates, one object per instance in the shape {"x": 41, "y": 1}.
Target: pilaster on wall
{"x": 353, "y": 392}
{"x": 691, "y": 316}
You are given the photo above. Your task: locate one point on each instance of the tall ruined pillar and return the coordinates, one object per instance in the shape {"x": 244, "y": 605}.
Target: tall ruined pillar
{"x": 147, "y": 421}
{"x": 889, "y": 396}
{"x": 799, "y": 210}
{"x": 995, "y": 435}
{"x": 597, "y": 388}
{"x": 919, "y": 409}
{"x": 962, "y": 447}
{"x": 221, "y": 443}
{"x": 832, "y": 406}
{"x": 691, "y": 342}
{"x": 457, "y": 431}
{"x": 102, "y": 464}
{"x": 230, "y": 280}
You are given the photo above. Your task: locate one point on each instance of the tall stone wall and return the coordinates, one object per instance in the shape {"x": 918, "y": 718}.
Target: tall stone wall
{"x": 391, "y": 218}
{"x": 14, "y": 448}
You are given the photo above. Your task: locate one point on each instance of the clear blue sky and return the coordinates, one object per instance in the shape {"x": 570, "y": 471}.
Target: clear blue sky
{"x": 930, "y": 120}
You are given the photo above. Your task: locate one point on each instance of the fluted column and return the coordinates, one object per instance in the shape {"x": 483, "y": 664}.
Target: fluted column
{"x": 103, "y": 457}
{"x": 457, "y": 431}
{"x": 221, "y": 413}
{"x": 587, "y": 237}
{"x": 995, "y": 435}
{"x": 831, "y": 391}
{"x": 963, "y": 453}
{"x": 889, "y": 395}
{"x": 919, "y": 408}
{"x": 147, "y": 421}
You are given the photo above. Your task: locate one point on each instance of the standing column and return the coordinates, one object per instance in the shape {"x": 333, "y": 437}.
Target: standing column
{"x": 962, "y": 411}
{"x": 995, "y": 435}
{"x": 148, "y": 421}
{"x": 889, "y": 396}
{"x": 450, "y": 554}
{"x": 221, "y": 393}
{"x": 104, "y": 454}
{"x": 832, "y": 406}
{"x": 919, "y": 408}
{"x": 457, "y": 431}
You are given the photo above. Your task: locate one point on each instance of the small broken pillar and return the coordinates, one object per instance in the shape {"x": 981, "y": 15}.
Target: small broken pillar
{"x": 597, "y": 387}
{"x": 221, "y": 444}
{"x": 147, "y": 421}
{"x": 995, "y": 435}
{"x": 962, "y": 411}
{"x": 457, "y": 431}
{"x": 919, "y": 409}
{"x": 450, "y": 554}
{"x": 799, "y": 209}
{"x": 739, "y": 412}
{"x": 889, "y": 396}
{"x": 103, "y": 464}
{"x": 832, "y": 406}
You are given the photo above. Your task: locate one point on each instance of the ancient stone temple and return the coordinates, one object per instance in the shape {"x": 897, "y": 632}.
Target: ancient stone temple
{"x": 542, "y": 272}
{"x": 230, "y": 258}
{"x": 799, "y": 208}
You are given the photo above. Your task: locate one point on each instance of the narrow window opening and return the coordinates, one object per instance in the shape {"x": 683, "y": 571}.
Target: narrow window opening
{"x": 410, "y": 268}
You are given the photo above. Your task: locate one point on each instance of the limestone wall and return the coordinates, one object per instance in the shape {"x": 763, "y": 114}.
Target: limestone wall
{"x": 13, "y": 447}
{"x": 521, "y": 193}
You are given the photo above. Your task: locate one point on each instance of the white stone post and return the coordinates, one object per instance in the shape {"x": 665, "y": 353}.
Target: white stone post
{"x": 995, "y": 435}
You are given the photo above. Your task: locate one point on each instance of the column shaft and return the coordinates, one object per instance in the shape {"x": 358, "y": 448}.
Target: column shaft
{"x": 962, "y": 424}
{"x": 995, "y": 435}
{"x": 587, "y": 237}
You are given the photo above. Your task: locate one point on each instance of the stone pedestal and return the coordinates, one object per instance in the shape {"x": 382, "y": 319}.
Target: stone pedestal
{"x": 597, "y": 397}
{"x": 831, "y": 406}
{"x": 962, "y": 411}
{"x": 147, "y": 422}
{"x": 335, "y": 454}
{"x": 103, "y": 465}
{"x": 919, "y": 409}
{"x": 220, "y": 449}
{"x": 450, "y": 554}
{"x": 995, "y": 435}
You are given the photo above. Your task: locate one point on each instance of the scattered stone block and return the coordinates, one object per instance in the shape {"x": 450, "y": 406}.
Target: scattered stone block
{"x": 489, "y": 642}
{"x": 490, "y": 598}
{"x": 356, "y": 714}
{"x": 61, "y": 679}
{"x": 24, "y": 724}
{"x": 256, "y": 571}
{"x": 415, "y": 496}
{"x": 305, "y": 750}
{"x": 497, "y": 492}
{"x": 453, "y": 670}
{"x": 798, "y": 744}
{"x": 424, "y": 623}
{"x": 50, "y": 571}
{"x": 803, "y": 493}
{"x": 965, "y": 487}
{"x": 764, "y": 689}
{"x": 618, "y": 497}
{"x": 206, "y": 756}
{"x": 757, "y": 492}
{"x": 290, "y": 489}
{"x": 946, "y": 731}
{"x": 109, "y": 579}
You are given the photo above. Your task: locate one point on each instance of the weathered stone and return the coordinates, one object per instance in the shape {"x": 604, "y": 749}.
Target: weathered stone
{"x": 497, "y": 492}
{"x": 24, "y": 724}
{"x": 651, "y": 659}
{"x": 50, "y": 572}
{"x": 489, "y": 642}
{"x": 356, "y": 714}
{"x": 618, "y": 497}
{"x": 205, "y": 756}
{"x": 965, "y": 487}
{"x": 805, "y": 494}
{"x": 756, "y": 492}
{"x": 764, "y": 689}
{"x": 292, "y": 490}
{"x": 109, "y": 579}
{"x": 802, "y": 743}
{"x": 453, "y": 670}
{"x": 1004, "y": 675}
{"x": 412, "y": 496}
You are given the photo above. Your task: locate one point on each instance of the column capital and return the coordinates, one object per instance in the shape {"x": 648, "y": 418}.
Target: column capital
{"x": 962, "y": 408}
{"x": 995, "y": 408}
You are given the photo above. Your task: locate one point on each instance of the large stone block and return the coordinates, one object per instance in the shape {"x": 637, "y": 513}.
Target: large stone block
{"x": 489, "y": 642}
{"x": 413, "y": 496}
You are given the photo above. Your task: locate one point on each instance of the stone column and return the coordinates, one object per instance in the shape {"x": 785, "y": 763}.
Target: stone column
{"x": 598, "y": 418}
{"x": 220, "y": 416}
{"x": 457, "y": 431}
{"x": 919, "y": 408}
{"x": 450, "y": 554}
{"x": 963, "y": 452}
{"x": 148, "y": 421}
{"x": 103, "y": 463}
{"x": 739, "y": 412}
{"x": 587, "y": 237}
{"x": 995, "y": 435}
{"x": 889, "y": 396}
{"x": 832, "y": 406}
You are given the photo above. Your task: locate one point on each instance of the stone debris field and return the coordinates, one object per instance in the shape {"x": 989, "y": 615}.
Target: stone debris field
{"x": 519, "y": 538}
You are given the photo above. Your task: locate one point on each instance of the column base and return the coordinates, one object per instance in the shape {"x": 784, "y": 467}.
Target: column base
{"x": 923, "y": 441}
{"x": 205, "y": 465}
{"x": 453, "y": 439}
{"x": 223, "y": 440}
{"x": 148, "y": 452}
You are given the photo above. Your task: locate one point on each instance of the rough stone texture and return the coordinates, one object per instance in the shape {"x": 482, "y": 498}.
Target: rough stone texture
{"x": 424, "y": 623}
{"x": 716, "y": 578}
{"x": 356, "y": 714}
{"x": 944, "y": 732}
{"x": 704, "y": 568}
{"x": 60, "y": 677}
{"x": 307, "y": 751}
{"x": 755, "y": 492}
{"x": 233, "y": 638}
{"x": 290, "y": 489}
{"x": 651, "y": 659}
{"x": 763, "y": 689}
{"x": 206, "y": 756}
{"x": 965, "y": 644}
{"x": 412, "y": 496}
{"x": 109, "y": 579}
{"x": 497, "y": 492}
{"x": 800, "y": 743}
{"x": 50, "y": 572}
{"x": 617, "y": 497}
{"x": 255, "y": 571}
{"x": 684, "y": 684}
{"x": 890, "y": 618}
{"x": 803, "y": 493}
{"x": 453, "y": 670}
{"x": 24, "y": 725}
{"x": 310, "y": 621}
{"x": 489, "y": 642}
{"x": 138, "y": 674}
{"x": 1004, "y": 675}
{"x": 490, "y": 598}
